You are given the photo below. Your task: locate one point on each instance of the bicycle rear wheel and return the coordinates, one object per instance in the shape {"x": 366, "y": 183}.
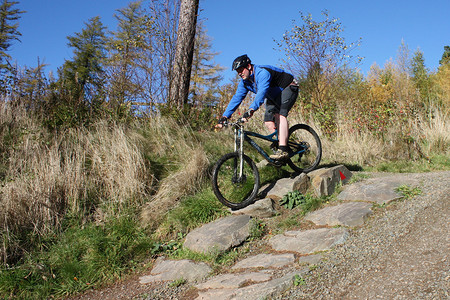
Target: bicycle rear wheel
{"x": 305, "y": 142}
{"x": 230, "y": 188}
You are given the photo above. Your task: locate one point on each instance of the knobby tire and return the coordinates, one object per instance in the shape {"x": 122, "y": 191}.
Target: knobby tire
{"x": 306, "y": 136}
{"x": 231, "y": 190}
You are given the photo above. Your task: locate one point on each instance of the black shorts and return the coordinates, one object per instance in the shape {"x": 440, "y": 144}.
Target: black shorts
{"x": 282, "y": 104}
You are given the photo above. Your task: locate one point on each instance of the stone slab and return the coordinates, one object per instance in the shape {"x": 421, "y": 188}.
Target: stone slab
{"x": 309, "y": 241}
{"x": 266, "y": 261}
{"x": 377, "y": 190}
{"x": 231, "y": 281}
{"x": 346, "y": 214}
{"x": 169, "y": 270}
{"x": 220, "y": 235}
{"x": 264, "y": 290}
{"x": 260, "y": 209}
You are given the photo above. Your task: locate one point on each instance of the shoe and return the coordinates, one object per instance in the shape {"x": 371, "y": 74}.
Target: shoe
{"x": 274, "y": 146}
{"x": 280, "y": 155}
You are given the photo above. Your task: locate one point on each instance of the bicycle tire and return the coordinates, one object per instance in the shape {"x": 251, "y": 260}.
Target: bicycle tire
{"x": 301, "y": 135}
{"x": 231, "y": 191}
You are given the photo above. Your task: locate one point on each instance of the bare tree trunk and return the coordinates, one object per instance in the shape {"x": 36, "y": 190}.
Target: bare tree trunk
{"x": 179, "y": 85}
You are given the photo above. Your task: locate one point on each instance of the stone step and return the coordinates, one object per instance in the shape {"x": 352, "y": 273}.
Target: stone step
{"x": 254, "y": 277}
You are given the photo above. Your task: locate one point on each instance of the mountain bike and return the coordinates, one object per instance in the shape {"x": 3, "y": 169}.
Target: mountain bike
{"x": 235, "y": 177}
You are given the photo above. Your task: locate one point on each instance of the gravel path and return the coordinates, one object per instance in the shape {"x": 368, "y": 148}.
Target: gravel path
{"x": 400, "y": 253}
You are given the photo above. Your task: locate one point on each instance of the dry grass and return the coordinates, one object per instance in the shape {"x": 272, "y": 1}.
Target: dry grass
{"x": 76, "y": 172}
{"x": 434, "y": 132}
{"x": 183, "y": 182}
{"x": 187, "y": 157}
{"x": 99, "y": 171}
{"x": 417, "y": 138}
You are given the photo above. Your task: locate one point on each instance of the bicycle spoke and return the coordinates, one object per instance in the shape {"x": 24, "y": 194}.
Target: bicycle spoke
{"x": 232, "y": 189}
{"x": 305, "y": 148}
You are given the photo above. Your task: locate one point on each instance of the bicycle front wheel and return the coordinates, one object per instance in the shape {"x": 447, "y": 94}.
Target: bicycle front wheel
{"x": 306, "y": 148}
{"x": 233, "y": 189}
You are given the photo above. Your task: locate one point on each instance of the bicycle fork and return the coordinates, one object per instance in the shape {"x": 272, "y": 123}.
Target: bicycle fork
{"x": 239, "y": 147}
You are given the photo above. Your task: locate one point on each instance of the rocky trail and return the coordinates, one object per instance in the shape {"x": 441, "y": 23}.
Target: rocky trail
{"x": 369, "y": 244}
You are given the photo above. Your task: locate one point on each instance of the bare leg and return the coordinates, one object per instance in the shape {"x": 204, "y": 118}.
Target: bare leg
{"x": 271, "y": 126}
{"x": 283, "y": 128}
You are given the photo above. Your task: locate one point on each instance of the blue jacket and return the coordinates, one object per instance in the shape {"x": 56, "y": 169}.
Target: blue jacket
{"x": 266, "y": 82}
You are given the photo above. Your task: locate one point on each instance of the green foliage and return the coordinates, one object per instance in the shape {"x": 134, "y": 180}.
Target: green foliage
{"x": 83, "y": 76}
{"x": 298, "y": 280}
{"x": 445, "y": 56}
{"x": 82, "y": 257}
{"x": 8, "y": 30}
{"x": 178, "y": 282}
{"x": 305, "y": 203}
{"x": 194, "y": 210}
{"x": 257, "y": 229}
{"x": 408, "y": 192}
{"x": 316, "y": 54}
{"x": 420, "y": 75}
{"x": 435, "y": 162}
{"x": 197, "y": 117}
{"x": 293, "y": 199}
{"x": 205, "y": 75}
{"x": 168, "y": 248}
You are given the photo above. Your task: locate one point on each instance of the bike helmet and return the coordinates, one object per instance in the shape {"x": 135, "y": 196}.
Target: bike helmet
{"x": 240, "y": 61}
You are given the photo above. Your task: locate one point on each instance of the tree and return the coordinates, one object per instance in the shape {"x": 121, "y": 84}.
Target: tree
{"x": 445, "y": 56}
{"x": 141, "y": 52}
{"x": 128, "y": 47}
{"x": 8, "y": 30}
{"x": 83, "y": 76}
{"x": 180, "y": 80}
{"x": 205, "y": 73}
{"x": 8, "y": 33}
{"x": 421, "y": 78}
{"x": 316, "y": 53}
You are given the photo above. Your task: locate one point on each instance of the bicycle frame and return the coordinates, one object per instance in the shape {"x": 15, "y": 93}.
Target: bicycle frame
{"x": 239, "y": 139}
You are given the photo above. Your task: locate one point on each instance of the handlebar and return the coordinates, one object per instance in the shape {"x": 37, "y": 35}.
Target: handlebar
{"x": 238, "y": 122}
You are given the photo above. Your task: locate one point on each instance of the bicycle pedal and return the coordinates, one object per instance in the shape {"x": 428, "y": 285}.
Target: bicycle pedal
{"x": 278, "y": 163}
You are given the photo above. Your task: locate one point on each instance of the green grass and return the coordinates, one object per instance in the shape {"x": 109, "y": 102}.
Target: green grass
{"x": 201, "y": 208}
{"x": 435, "y": 163}
{"x": 408, "y": 192}
{"x": 84, "y": 256}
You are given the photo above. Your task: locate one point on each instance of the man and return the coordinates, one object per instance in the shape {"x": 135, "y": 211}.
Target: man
{"x": 271, "y": 85}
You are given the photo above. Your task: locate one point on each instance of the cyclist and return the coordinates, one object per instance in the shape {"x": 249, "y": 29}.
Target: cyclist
{"x": 272, "y": 85}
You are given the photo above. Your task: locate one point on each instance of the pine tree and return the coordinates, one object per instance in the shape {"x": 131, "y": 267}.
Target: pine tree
{"x": 83, "y": 76}
{"x": 445, "y": 56}
{"x": 420, "y": 78}
{"x": 205, "y": 75}
{"x": 127, "y": 62}
{"x": 8, "y": 30}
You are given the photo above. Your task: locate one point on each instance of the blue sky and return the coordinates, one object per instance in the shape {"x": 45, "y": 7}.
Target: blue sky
{"x": 250, "y": 27}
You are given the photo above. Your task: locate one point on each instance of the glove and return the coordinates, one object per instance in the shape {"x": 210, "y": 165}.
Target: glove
{"x": 223, "y": 120}
{"x": 248, "y": 114}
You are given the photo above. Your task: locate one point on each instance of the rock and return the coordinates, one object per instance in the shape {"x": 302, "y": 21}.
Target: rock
{"x": 302, "y": 183}
{"x": 283, "y": 186}
{"x": 279, "y": 189}
{"x": 309, "y": 241}
{"x": 378, "y": 190}
{"x": 262, "y": 290}
{"x": 266, "y": 261}
{"x": 310, "y": 259}
{"x": 262, "y": 164}
{"x": 347, "y": 214}
{"x": 260, "y": 209}
{"x": 230, "y": 281}
{"x": 219, "y": 235}
{"x": 168, "y": 270}
{"x": 325, "y": 180}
